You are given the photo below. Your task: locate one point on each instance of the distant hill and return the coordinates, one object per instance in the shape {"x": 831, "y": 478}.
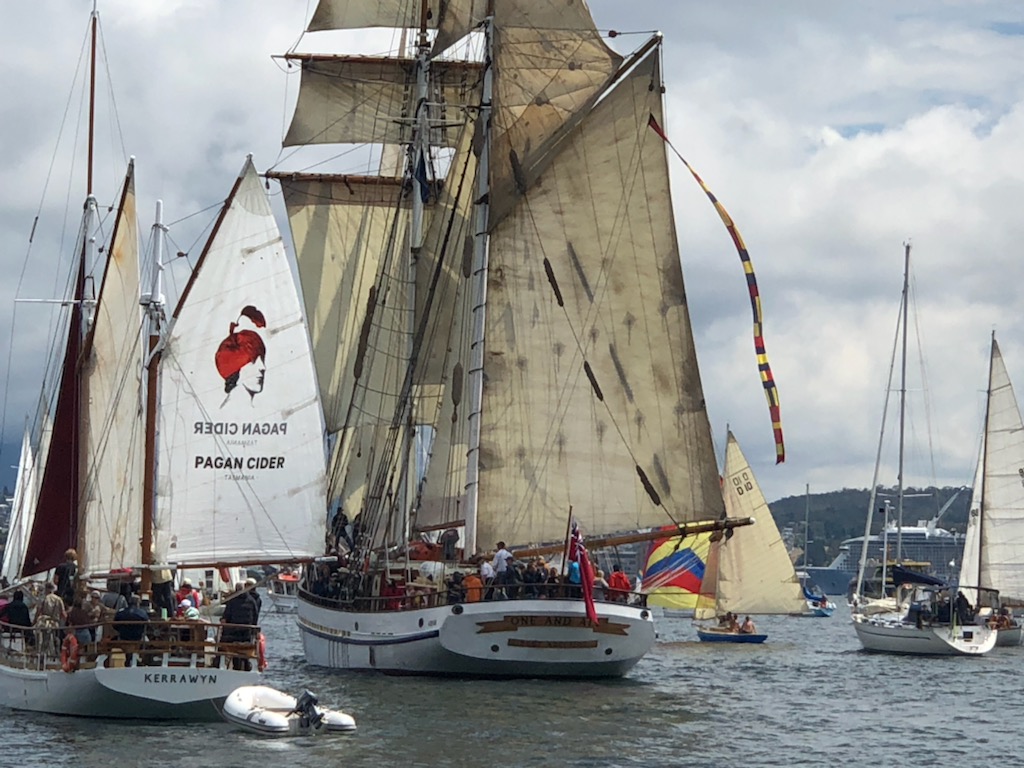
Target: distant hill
{"x": 838, "y": 515}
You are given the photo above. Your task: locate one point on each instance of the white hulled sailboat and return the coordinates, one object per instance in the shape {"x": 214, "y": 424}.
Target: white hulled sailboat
{"x": 513, "y": 303}
{"x": 921, "y": 618}
{"x": 994, "y": 541}
{"x": 172, "y": 444}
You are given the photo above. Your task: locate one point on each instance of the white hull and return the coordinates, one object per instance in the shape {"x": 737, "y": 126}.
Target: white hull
{"x": 502, "y": 638}
{"x": 889, "y": 636}
{"x": 280, "y": 603}
{"x": 149, "y": 692}
{"x": 1009, "y": 638}
{"x": 270, "y": 712}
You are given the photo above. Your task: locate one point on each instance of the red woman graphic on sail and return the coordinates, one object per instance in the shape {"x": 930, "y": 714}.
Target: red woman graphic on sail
{"x": 241, "y": 357}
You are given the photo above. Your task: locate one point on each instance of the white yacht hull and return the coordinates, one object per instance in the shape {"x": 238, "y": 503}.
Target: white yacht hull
{"x": 892, "y": 636}
{"x": 280, "y": 603}
{"x": 149, "y": 692}
{"x": 1009, "y": 638}
{"x": 501, "y": 638}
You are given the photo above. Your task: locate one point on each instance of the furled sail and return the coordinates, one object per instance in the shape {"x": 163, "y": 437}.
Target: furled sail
{"x": 241, "y": 458}
{"x": 1002, "y": 501}
{"x": 592, "y": 395}
{"x": 755, "y": 574}
{"x": 110, "y": 522}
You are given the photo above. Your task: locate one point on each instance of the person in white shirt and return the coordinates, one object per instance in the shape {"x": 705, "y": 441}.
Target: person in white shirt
{"x": 501, "y": 558}
{"x": 487, "y": 577}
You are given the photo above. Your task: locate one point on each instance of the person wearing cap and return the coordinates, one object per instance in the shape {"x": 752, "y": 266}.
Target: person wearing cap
{"x": 183, "y": 606}
{"x": 186, "y": 592}
{"x": 250, "y": 584}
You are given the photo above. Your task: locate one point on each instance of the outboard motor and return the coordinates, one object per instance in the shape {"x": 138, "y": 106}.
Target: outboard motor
{"x": 305, "y": 707}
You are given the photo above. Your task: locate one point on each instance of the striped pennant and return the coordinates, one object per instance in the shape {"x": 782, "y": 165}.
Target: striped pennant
{"x": 767, "y": 380}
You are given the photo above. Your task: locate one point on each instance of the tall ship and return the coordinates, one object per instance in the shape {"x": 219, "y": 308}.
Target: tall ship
{"x": 500, "y": 330}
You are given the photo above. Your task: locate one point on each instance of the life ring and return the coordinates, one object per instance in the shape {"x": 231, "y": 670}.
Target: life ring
{"x": 261, "y": 661}
{"x": 69, "y": 653}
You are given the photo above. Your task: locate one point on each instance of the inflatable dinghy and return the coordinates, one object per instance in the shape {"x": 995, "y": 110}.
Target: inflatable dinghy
{"x": 273, "y": 713}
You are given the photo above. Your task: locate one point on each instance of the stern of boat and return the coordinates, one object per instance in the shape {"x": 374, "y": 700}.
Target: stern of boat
{"x": 548, "y": 637}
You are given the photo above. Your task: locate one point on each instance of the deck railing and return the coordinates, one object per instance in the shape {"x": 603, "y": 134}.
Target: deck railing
{"x": 161, "y": 642}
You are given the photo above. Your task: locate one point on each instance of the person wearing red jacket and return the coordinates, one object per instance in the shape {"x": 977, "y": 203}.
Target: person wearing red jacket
{"x": 618, "y": 585}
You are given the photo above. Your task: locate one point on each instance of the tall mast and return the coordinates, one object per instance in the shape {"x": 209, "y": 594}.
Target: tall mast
{"x": 807, "y": 518}
{"x": 153, "y": 302}
{"x": 421, "y": 136}
{"x": 984, "y": 461}
{"x": 479, "y": 297}
{"x": 92, "y": 94}
{"x": 419, "y": 154}
{"x": 903, "y": 403}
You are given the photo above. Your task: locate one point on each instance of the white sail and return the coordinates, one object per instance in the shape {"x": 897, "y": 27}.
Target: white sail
{"x": 970, "y": 564}
{"x": 592, "y": 396}
{"x": 1002, "y": 500}
{"x": 22, "y": 508}
{"x": 241, "y": 459}
{"x": 110, "y": 519}
{"x": 755, "y": 575}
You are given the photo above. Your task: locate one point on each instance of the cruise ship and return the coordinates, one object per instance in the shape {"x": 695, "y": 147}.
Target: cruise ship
{"x": 924, "y": 542}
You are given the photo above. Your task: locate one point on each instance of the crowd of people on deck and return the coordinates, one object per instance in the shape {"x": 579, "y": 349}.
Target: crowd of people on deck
{"x": 499, "y": 575}
{"x": 66, "y": 607}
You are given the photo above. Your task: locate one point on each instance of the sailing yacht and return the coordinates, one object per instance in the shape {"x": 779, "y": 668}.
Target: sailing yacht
{"x": 179, "y": 442}
{"x": 749, "y": 572}
{"x": 994, "y": 543}
{"x": 922, "y": 617}
{"x": 510, "y": 301}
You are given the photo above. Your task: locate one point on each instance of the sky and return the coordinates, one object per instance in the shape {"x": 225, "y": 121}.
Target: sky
{"x": 832, "y": 132}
